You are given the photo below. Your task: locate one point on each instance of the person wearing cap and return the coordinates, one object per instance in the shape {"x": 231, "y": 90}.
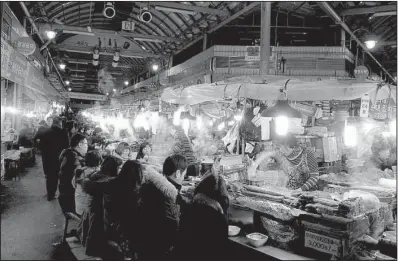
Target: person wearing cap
{"x": 52, "y": 143}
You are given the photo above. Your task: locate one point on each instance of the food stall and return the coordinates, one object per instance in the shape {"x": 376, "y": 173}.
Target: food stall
{"x": 347, "y": 217}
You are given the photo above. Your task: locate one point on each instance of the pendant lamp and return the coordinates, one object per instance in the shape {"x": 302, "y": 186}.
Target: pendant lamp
{"x": 282, "y": 107}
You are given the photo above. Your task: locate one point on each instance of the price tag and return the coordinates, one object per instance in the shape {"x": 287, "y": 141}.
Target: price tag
{"x": 365, "y": 100}
{"x": 322, "y": 243}
{"x": 257, "y": 120}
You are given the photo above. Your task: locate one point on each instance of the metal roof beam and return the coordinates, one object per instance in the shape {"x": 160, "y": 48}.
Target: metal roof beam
{"x": 46, "y": 27}
{"x": 224, "y": 22}
{"x": 368, "y": 10}
{"x": 89, "y": 50}
{"x": 182, "y": 7}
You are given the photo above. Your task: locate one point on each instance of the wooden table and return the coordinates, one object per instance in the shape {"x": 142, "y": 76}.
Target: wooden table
{"x": 241, "y": 245}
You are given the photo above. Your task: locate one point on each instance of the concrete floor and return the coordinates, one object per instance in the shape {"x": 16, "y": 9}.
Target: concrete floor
{"x": 29, "y": 223}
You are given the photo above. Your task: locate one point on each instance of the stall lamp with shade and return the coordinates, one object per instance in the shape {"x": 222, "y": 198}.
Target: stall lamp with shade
{"x": 126, "y": 83}
{"x": 281, "y": 111}
{"x": 67, "y": 82}
{"x": 62, "y": 66}
{"x": 221, "y": 126}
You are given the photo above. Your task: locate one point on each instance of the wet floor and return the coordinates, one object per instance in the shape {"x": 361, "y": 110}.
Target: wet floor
{"x": 29, "y": 223}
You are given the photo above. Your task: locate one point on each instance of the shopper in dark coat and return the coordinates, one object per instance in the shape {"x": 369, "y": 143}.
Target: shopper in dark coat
{"x": 40, "y": 131}
{"x": 158, "y": 211}
{"x": 52, "y": 142}
{"x": 70, "y": 159}
{"x": 204, "y": 224}
{"x": 120, "y": 207}
{"x": 92, "y": 226}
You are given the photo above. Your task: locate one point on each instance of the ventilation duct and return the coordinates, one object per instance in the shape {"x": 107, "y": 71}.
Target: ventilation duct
{"x": 145, "y": 16}
{"x": 109, "y": 10}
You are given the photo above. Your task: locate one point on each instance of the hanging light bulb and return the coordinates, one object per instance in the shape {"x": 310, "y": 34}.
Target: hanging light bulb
{"x": 370, "y": 44}
{"x": 393, "y": 127}
{"x": 211, "y": 122}
{"x": 350, "y": 134}
{"x": 176, "y": 118}
{"x": 221, "y": 126}
{"x": 185, "y": 125}
{"x": 199, "y": 122}
{"x": 51, "y": 34}
{"x": 281, "y": 125}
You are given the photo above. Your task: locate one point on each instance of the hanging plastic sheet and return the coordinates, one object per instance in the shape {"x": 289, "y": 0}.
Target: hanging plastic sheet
{"x": 268, "y": 90}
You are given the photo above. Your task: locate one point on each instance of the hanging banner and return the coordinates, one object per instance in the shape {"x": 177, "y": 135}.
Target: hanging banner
{"x": 35, "y": 79}
{"x": 15, "y": 67}
{"x": 85, "y": 96}
{"x": 365, "y": 100}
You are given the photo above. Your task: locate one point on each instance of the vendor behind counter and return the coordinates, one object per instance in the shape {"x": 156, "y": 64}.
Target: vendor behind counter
{"x": 297, "y": 161}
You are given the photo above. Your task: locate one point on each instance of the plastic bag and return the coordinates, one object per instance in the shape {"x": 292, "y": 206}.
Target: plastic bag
{"x": 367, "y": 201}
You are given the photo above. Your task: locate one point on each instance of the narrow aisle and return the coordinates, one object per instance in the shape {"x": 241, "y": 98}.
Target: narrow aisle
{"x": 29, "y": 223}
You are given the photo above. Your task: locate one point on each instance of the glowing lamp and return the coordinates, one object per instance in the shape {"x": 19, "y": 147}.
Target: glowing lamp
{"x": 350, "y": 135}
{"x": 176, "y": 118}
{"x": 393, "y": 127}
{"x": 51, "y": 34}
{"x": 370, "y": 44}
{"x": 221, "y": 126}
{"x": 199, "y": 122}
{"x": 155, "y": 67}
{"x": 185, "y": 125}
{"x": 281, "y": 125}
{"x": 62, "y": 66}
{"x": 238, "y": 118}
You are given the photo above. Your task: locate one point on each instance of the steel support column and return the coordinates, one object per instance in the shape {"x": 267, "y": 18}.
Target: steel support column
{"x": 265, "y": 37}
{"x": 204, "y": 41}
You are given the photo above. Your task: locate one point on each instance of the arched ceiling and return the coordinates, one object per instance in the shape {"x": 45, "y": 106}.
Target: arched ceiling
{"x": 175, "y": 26}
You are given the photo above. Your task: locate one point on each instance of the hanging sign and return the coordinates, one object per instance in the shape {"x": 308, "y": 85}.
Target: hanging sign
{"x": 252, "y": 53}
{"x": 25, "y": 46}
{"x": 86, "y": 96}
{"x": 365, "y": 100}
{"x": 14, "y": 66}
{"x": 379, "y": 109}
{"x": 128, "y": 25}
{"x": 361, "y": 72}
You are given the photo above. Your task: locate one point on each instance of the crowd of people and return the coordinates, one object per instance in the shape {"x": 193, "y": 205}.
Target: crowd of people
{"x": 129, "y": 203}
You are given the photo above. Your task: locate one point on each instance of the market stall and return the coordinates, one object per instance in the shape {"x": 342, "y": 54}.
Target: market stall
{"x": 359, "y": 212}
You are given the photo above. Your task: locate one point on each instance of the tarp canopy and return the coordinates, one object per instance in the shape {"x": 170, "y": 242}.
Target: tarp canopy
{"x": 267, "y": 89}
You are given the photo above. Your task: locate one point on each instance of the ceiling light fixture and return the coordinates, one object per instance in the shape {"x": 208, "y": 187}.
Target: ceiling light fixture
{"x": 145, "y": 16}
{"x": 51, "y": 34}
{"x": 126, "y": 83}
{"x": 62, "y": 66}
{"x": 109, "y": 10}
{"x": 370, "y": 44}
{"x": 69, "y": 89}
{"x": 155, "y": 67}
{"x": 67, "y": 82}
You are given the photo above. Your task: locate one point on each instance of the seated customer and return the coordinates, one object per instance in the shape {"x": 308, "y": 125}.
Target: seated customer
{"x": 93, "y": 161}
{"x": 144, "y": 152}
{"x": 204, "y": 224}
{"x": 92, "y": 225}
{"x": 158, "y": 210}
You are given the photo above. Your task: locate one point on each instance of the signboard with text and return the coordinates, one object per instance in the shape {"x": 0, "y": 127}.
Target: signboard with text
{"x": 252, "y": 53}
{"x": 25, "y": 46}
{"x": 322, "y": 243}
{"x": 128, "y": 25}
{"x": 14, "y": 66}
